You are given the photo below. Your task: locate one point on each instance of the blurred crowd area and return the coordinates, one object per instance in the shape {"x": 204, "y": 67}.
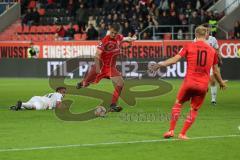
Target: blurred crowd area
{"x": 6, "y": 4}
{"x": 93, "y": 17}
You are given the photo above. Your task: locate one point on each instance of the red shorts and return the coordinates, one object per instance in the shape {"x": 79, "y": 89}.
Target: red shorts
{"x": 106, "y": 72}
{"x": 193, "y": 92}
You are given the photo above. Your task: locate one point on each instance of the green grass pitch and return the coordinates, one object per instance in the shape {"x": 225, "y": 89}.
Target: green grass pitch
{"x": 38, "y": 133}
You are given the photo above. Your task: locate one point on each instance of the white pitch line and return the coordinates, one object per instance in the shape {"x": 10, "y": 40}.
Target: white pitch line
{"x": 110, "y": 143}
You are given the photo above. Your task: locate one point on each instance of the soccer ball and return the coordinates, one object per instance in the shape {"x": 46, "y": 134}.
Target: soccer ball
{"x": 100, "y": 111}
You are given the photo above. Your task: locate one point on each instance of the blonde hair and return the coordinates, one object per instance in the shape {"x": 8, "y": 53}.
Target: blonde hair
{"x": 201, "y": 32}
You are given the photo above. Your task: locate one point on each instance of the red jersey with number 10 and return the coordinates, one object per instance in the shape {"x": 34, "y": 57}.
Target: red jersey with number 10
{"x": 110, "y": 48}
{"x": 200, "y": 57}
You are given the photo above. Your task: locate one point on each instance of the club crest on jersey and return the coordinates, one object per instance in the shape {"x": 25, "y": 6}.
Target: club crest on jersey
{"x": 110, "y": 46}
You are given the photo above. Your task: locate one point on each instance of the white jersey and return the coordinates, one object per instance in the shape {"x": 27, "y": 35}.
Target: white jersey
{"x": 212, "y": 41}
{"x": 51, "y": 99}
{"x": 48, "y": 101}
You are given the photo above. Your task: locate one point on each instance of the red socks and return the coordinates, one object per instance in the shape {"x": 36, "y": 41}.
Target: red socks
{"x": 189, "y": 121}
{"x": 175, "y": 115}
{"x": 116, "y": 94}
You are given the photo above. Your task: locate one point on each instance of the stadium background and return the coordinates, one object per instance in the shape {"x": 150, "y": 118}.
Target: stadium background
{"x": 69, "y": 29}
{"x": 62, "y": 31}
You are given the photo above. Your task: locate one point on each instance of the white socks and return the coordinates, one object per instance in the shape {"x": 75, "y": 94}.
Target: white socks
{"x": 214, "y": 93}
{"x": 28, "y": 105}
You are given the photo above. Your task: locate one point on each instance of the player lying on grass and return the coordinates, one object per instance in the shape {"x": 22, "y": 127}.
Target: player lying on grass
{"x": 105, "y": 64}
{"x": 200, "y": 58}
{"x": 48, "y": 101}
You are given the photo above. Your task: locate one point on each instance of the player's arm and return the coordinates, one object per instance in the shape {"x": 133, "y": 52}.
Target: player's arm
{"x": 100, "y": 49}
{"x": 170, "y": 61}
{"x": 217, "y": 73}
{"x": 216, "y": 47}
{"x": 130, "y": 39}
{"x": 219, "y": 57}
{"x": 165, "y": 63}
{"x": 97, "y": 60}
{"x": 59, "y": 100}
{"x": 58, "y": 104}
{"x": 218, "y": 77}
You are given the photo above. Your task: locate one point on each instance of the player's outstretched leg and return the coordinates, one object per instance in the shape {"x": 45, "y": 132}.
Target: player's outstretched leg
{"x": 213, "y": 90}
{"x": 89, "y": 78}
{"x": 174, "y": 118}
{"x": 28, "y": 105}
{"x": 12, "y": 108}
{"x": 118, "y": 85}
{"x": 21, "y": 105}
{"x": 188, "y": 123}
{"x": 18, "y": 105}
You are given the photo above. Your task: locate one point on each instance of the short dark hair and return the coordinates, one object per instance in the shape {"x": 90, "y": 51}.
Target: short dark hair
{"x": 60, "y": 88}
{"x": 116, "y": 27}
{"x": 205, "y": 25}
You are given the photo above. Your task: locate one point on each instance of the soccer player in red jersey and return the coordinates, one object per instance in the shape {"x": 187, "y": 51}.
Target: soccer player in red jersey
{"x": 200, "y": 58}
{"x": 105, "y": 64}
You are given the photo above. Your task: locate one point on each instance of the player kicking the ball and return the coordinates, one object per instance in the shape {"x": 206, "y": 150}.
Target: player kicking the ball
{"x": 200, "y": 58}
{"x": 105, "y": 64}
{"x": 49, "y": 101}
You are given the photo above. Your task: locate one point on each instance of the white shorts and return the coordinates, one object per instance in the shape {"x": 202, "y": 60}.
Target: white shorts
{"x": 38, "y": 102}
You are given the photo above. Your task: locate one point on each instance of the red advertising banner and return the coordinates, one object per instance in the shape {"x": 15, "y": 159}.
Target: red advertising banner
{"x": 139, "y": 50}
{"x": 14, "y": 49}
{"x": 66, "y": 49}
{"x": 229, "y": 48}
